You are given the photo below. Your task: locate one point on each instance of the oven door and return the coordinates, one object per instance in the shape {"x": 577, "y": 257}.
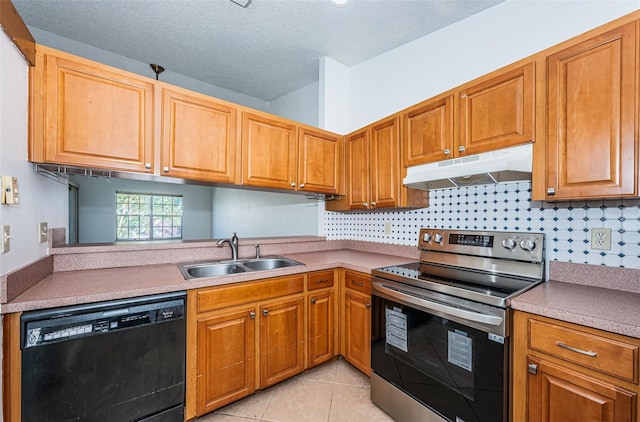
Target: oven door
{"x": 452, "y": 358}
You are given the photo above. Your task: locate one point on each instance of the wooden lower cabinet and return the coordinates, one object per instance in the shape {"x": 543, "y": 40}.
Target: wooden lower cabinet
{"x": 226, "y": 358}
{"x": 281, "y": 340}
{"x": 564, "y": 372}
{"x": 356, "y": 320}
{"x": 321, "y": 320}
{"x": 558, "y": 394}
{"x": 244, "y": 337}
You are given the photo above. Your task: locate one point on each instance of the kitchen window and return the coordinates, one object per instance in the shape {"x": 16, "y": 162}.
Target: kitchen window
{"x": 141, "y": 216}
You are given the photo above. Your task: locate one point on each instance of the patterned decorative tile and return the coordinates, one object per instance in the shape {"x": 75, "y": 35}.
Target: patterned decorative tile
{"x": 506, "y": 207}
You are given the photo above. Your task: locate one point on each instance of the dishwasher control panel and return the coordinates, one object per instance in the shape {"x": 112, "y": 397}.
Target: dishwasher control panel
{"x": 70, "y": 325}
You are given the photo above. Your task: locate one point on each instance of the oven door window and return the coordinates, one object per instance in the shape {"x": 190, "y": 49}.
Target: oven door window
{"x": 457, "y": 371}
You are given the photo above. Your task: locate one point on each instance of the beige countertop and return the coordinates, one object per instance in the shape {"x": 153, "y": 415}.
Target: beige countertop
{"x": 84, "y": 286}
{"x": 605, "y": 298}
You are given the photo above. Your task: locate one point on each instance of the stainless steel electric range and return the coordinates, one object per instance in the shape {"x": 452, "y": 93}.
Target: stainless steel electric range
{"x": 440, "y": 326}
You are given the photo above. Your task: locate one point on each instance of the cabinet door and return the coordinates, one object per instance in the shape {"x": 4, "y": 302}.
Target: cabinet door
{"x": 198, "y": 137}
{"x": 497, "y": 113}
{"x": 321, "y": 326}
{"x": 320, "y": 156}
{"x": 557, "y": 394}
{"x": 591, "y": 135}
{"x": 96, "y": 116}
{"x": 269, "y": 152}
{"x": 357, "y": 330}
{"x": 281, "y": 340}
{"x": 358, "y": 177}
{"x": 429, "y": 132}
{"x": 385, "y": 164}
{"x": 226, "y": 358}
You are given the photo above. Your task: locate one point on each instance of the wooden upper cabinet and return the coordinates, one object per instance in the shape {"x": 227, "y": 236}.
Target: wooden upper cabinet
{"x": 358, "y": 175}
{"x": 269, "y": 152}
{"x": 385, "y": 164}
{"x": 493, "y": 112}
{"x": 198, "y": 137}
{"x": 592, "y": 149}
{"x": 321, "y": 160}
{"x": 94, "y": 115}
{"x": 429, "y": 131}
{"x": 498, "y": 112}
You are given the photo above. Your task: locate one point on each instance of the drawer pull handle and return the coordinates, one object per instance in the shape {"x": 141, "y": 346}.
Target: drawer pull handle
{"x": 325, "y": 280}
{"x": 357, "y": 284}
{"x": 573, "y": 349}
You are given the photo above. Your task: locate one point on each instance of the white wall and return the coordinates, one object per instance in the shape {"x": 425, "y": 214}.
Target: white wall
{"x": 97, "y": 207}
{"x": 262, "y": 214}
{"x": 300, "y": 105}
{"x": 41, "y": 199}
{"x": 467, "y": 49}
{"x": 335, "y": 80}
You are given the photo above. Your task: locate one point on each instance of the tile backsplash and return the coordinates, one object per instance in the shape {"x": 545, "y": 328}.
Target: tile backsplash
{"x": 566, "y": 225}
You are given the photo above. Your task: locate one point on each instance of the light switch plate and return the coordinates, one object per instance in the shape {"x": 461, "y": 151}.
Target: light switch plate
{"x": 10, "y": 190}
{"x": 387, "y": 228}
{"x": 6, "y": 239}
{"x": 43, "y": 232}
{"x": 601, "y": 239}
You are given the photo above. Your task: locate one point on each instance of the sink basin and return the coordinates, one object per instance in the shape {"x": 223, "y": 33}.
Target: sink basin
{"x": 210, "y": 270}
{"x": 195, "y": 270}
{"x": 269, "y": 263}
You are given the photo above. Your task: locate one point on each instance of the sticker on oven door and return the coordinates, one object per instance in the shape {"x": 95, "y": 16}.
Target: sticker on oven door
{"x": 397, "y": 329}
{"x": 460, "y": 350}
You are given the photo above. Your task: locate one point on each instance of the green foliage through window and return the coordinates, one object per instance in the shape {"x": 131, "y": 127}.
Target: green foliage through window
{"x": 148, "y": 216}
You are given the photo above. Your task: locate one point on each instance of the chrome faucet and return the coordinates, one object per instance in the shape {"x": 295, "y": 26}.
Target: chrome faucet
{"x": 233, "y": 243}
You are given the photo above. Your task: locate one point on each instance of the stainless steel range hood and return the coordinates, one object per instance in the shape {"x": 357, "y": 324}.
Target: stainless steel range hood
{"x": 500, "y": 166}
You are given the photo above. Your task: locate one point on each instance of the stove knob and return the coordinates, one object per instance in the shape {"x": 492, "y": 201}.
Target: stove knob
{"x": 509, "y": 243}
{"x": 426, "y": 237}
{"x": 528, "y": 244}
{"x": 438, "y": 238}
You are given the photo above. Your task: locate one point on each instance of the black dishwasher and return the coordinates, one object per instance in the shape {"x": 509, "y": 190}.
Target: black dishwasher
{"x": 122, "y": 360}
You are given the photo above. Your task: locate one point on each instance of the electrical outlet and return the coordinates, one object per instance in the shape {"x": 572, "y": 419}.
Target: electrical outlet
{"x": 6, "y": 239}
{"x": 43, "y": 232}
{"x": 387, "y": 228}
{"x": 601, "y": 239}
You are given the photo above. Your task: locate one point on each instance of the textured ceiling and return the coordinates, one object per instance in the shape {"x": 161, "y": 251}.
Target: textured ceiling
{"x": 265, "y": 50}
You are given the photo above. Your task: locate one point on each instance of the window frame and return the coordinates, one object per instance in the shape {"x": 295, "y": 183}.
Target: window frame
{"x": 152, "y": 216}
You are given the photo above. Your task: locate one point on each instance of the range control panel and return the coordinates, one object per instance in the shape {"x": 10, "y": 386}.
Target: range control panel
{"x": 511, "y": 245}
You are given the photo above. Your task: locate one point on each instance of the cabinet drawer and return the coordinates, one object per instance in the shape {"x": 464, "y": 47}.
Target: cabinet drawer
{"x": 357, "y": 281}
{"x": 599, "y": 353}
{"x": 220, "y": 297}
{"x": 320, "y": 280}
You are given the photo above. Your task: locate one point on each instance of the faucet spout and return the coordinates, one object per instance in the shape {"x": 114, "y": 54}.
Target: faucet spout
{"x": 233, "y": 244}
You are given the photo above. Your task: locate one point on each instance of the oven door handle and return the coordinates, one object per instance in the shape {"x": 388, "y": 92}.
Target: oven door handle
{"x": 434, "y": 306}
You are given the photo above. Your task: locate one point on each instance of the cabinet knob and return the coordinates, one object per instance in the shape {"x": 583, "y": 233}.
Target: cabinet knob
{"x": 533, "y": 369}
{"x": 293, "y": 184}
{"x": 368, "y": 305}
{"x": 265, "y": 312}
{"x": 461, "y": 148}
{"x": 551, "y": 191}
{"x": 252, "y": 315}
{"x": 373, "y": 204}
{"x": 361, "y": 284}
{"x": 447, "y": 151}
{"x": 313, "y": 301}
{"x": 365, "y": 204}
{"x": 301, "y": 185}
{"x": 147, "y": 166}
{"x": 165, "y": 169}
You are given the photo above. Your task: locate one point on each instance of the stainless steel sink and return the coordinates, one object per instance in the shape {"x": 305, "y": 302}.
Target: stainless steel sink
{"x": 195, "y": 270}
{"x": 210, "y": 270}
{"x": 262, "y": 264}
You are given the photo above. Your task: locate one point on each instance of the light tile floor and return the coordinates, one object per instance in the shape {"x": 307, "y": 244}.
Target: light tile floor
{"x": 332, "y": 392}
